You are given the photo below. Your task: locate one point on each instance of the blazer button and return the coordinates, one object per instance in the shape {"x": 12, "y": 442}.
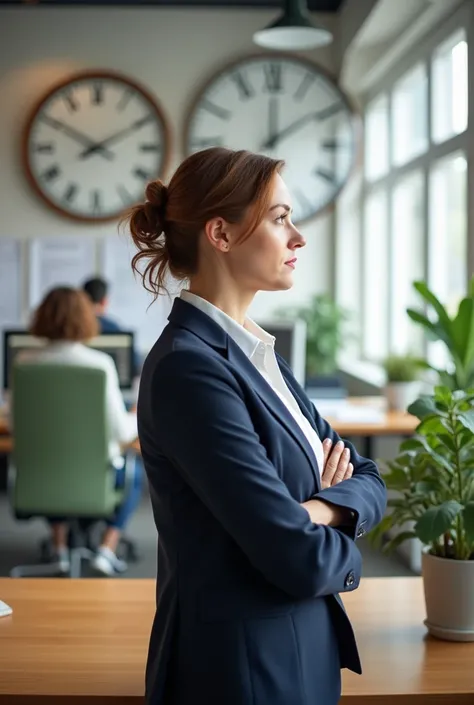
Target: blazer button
{"x": 350, "y": 579}
{"x": 360, "y": 532}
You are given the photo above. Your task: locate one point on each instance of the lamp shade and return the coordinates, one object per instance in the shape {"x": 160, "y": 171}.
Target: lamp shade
{"x": 293, "y": 30}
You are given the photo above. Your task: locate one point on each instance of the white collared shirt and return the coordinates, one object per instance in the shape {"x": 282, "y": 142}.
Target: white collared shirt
{"x": 259, "y": 347}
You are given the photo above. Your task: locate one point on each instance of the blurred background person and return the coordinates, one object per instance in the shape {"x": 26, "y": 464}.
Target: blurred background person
{"x": 67, "y": 320}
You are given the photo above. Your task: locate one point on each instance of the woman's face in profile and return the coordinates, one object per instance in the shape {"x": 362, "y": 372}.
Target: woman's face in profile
{"x": 267, "y": 260}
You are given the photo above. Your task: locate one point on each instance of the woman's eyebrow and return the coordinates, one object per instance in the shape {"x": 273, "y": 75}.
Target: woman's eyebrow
{"x": 280, "y": 205}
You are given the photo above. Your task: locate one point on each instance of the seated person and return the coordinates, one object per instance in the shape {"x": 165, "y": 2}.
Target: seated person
{"x": 66, "y": 320}
{"x": 97, "y": 290}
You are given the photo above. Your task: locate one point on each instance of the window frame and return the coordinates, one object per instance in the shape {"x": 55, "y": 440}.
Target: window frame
{"x": 462, "y": 22}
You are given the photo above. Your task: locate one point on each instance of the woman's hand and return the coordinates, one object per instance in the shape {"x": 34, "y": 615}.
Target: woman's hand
{"x": 337, "y": 465}
{"x": 326, "y": 513}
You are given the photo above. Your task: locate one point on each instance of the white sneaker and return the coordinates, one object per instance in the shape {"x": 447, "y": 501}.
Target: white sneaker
{"x": 60, "y": 559}
{"x": 106, "y": 562}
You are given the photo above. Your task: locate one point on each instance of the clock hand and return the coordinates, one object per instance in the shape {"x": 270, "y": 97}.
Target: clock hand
{"x": 97, "y": 146}
{"x": 272, "y": 118}
{"x": 297, "y": 124}
{"x": 75, "y": 135}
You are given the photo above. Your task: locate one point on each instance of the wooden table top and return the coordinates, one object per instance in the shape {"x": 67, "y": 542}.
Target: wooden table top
{"x": 85, "y": 641}
{"x": 392, "y": 423}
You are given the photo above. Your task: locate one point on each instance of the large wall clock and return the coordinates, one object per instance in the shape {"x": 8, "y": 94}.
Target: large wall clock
{"x": 285, "y": 107}
{"x": 92, "y": 143}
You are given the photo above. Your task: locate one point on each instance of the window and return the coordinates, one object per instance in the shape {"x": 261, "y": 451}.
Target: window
{"x": 447, "y": 271}
{"x": 449, "y": 88}
{"x": 375, "y": 327}
{"x": 407, "y": 261}
{"x": 376, "y": 139}
{"x": 348, "y": 253}
{"x": 410, "y": 123}
{"x": 410, "y": 219}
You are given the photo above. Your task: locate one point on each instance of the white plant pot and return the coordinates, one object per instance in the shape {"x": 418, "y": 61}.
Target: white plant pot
{"x": 449, "y": 597}
{"x": 400, "y": 395}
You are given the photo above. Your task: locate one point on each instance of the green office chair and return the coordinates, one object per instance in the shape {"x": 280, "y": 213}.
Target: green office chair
{"x": 60, "y": 464}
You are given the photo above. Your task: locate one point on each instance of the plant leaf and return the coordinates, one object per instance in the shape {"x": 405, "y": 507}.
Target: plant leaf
{"x": 463, "y": 331}
{"x": 436, "y": 521}
{"x": 467, "y": 419}
{"x": 424, "y": 487}
{"x": 468, "y": 519}
{"x": 421, "y": 319}
{"x": 423, "y": 406}
{"x": 428, "y": 295}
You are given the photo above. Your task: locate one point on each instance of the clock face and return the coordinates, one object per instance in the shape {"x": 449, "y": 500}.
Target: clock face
{"x": 92, "y": 145}
{"x": 288, "y": 109}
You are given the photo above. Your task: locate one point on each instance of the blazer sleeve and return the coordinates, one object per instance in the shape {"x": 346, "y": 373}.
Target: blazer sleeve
{"x": 364, "y": 494}
{"x": 202, "y": 425}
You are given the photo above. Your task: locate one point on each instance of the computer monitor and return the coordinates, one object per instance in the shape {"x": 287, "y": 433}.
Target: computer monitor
{"x": 290, "y": 343}
{"x": 118, "y": 345}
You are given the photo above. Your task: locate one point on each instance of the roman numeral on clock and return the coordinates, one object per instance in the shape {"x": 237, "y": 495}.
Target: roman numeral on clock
{"x": 71, "y": 193}
{"x": 51, "y": 173}
{"x": 141, "y": 173}
{"x": 273, "y": 77}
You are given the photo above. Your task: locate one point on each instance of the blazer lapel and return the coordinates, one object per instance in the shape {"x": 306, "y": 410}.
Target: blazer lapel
{"x": 273, "y": 403}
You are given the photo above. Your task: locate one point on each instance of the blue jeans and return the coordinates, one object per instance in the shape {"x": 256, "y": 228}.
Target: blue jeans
{"x": 131, "y": 500}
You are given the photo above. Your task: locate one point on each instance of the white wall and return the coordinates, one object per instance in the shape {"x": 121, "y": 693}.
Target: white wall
{"x": 171, "y": 52}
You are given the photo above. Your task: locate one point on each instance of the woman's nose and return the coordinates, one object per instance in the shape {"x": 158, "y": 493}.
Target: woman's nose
{"x": 297, "y": 240}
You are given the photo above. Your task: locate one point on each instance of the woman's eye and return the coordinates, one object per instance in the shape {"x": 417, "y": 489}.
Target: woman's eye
{"x": 282, "y": 218}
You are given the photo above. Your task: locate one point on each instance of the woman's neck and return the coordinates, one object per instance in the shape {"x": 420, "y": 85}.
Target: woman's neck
{"x": 231, "y": 301}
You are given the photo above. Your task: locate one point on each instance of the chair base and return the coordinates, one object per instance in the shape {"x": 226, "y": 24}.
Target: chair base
{"x": 45, "y": 570}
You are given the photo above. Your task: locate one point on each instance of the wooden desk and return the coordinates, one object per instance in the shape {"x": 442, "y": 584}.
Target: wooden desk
{"x": 85, "y": 642}
{"x": 393, "y": 423}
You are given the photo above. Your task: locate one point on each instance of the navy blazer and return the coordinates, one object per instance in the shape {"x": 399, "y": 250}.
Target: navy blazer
{"x": 248, "y": 611}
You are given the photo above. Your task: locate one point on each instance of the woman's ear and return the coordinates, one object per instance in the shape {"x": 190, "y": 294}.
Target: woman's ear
{"x": 217, "y": 232}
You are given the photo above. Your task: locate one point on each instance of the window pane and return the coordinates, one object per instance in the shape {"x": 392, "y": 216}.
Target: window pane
{"x": 376, "y": 139}
{"x": 348, "y": 256}
{"x": 407, "y": 261}
{"x": 375, "y": 276}
{"x": 450, "y": 88}
{"x": 448, "y": 236}
{"x": 409, "y": 106}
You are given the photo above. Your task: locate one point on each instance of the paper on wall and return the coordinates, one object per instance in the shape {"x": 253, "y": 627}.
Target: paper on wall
{"x": 10, "y": 282}
{"x": 59, "y": 261}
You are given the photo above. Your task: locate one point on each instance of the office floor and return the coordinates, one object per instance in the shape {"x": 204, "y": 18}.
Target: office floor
{"x": 19, "y": 545}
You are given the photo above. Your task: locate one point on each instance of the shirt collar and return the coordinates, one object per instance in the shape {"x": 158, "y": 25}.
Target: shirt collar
{"x": 247, "y": 337}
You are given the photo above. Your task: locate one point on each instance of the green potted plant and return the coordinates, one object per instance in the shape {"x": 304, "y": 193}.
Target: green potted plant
{"x": 403, "y": 384}
{"x": 326, "y": 333}
{"x": 456, "y": 332}
{"x": 433, "y": 481}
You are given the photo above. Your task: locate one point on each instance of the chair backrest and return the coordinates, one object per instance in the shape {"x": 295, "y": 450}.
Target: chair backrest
{"x": 60, "y": 441}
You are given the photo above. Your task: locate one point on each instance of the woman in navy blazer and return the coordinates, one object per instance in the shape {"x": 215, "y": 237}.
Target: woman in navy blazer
{"x": 257, "y": 528}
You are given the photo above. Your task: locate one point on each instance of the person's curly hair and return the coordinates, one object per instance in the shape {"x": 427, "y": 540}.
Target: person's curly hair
{"x": 65, "y": 314}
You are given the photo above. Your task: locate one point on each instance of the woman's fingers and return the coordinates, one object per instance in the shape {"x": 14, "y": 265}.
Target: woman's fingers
{"x": 332, "y": 463}
{"x": 349, "y": 471}
{"x": 327, "y": 445}
{"x": 342, "y": 466}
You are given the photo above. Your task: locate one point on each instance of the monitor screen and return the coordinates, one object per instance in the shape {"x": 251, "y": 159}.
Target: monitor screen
{"x": 290, "y": 343}
{"x": 118, "y": 345}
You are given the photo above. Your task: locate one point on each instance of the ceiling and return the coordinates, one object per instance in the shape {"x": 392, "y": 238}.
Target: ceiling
{"x": 315, "y": 5}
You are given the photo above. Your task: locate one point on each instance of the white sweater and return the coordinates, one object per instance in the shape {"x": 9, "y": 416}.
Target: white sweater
{"x": 122, "y": 424}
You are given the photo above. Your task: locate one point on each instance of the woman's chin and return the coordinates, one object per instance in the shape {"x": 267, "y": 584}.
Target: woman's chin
{"x": 283, "y": 284}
